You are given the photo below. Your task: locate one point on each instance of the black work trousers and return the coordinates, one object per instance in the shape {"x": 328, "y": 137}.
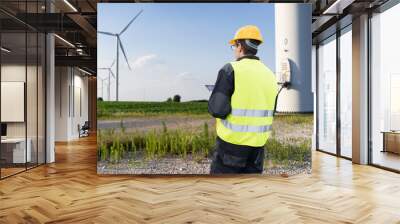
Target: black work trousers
{"x": 236, "y": 159}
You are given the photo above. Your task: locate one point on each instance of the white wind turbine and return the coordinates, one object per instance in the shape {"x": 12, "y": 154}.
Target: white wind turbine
{"x": 110, "y": 73}
{"x": 102, "y": 87}
{"x": 119, "y": 44}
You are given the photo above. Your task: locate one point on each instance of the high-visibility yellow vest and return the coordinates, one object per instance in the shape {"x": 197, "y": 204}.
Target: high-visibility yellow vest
{"x": 253, "y": 101}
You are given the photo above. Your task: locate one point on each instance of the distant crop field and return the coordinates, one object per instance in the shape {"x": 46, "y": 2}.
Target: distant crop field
{"x": 125, "y": 109}
{"x": 115, "y": 110}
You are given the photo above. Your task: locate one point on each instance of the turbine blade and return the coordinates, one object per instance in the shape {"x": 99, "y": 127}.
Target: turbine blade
{"x": 102, "y": 68}
{"x": 126, "y": 27}
{"x": 107, "y": 33}
{"x": 112, "y": 73}
{"x": 112, "y": 64}
{"x": 123, "y": 51}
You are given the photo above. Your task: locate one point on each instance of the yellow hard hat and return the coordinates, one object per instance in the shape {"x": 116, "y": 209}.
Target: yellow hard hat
{"x": 247, "y": 32}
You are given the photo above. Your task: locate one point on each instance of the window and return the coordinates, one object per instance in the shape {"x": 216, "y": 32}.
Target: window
{"x": 385, "y": 89}
{"x": 15, "y": 149}
{"x": 327, "y": 95}
{"x": 346, "y": 92}
{"x": 22, "y": 88}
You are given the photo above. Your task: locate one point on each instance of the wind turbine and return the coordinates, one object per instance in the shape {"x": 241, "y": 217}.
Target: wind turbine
{"x": 110, "y": 73}
{"x": 102, "y": 87}
{"x": 119, "y": 44}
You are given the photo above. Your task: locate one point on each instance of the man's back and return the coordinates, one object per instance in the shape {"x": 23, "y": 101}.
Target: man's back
{"x": 242, "y": 102}
{"x": 254, "y": 83}
{"x": 252, "y": 104}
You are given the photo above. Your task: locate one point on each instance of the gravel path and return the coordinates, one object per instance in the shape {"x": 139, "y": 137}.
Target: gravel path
{"x": 284, "y": 130}
{"x": 168, "y": 165}
{"x": 173, "y": 165}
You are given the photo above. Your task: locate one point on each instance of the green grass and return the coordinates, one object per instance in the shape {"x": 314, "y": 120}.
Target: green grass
{"x": 158, "y": 144}
{"x": 117, "y": 110}
{"x": 155, "y": 144}
{"x": 115, "y": 145}
{"x": 294, "y": 149}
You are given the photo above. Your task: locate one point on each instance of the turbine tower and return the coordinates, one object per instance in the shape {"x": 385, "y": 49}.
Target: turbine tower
{"x": 102, "y": 87}
{"x": 119, "y": 45}
{"x": 293, "y": 50}
{"x": 110, "y": 73}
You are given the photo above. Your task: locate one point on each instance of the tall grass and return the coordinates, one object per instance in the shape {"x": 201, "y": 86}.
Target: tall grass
{"x": 294, "y": 149}
{"x": 155, "y": 144}
{"x": 114, "y": 146}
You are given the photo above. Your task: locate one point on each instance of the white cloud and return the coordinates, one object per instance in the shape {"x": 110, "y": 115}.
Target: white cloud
{"x": 145, "y": 60}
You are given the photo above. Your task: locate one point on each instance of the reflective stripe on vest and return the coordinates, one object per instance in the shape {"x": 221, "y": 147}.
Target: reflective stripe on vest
{"x": 246, "y": 128}
{"x": 252, "y": 113}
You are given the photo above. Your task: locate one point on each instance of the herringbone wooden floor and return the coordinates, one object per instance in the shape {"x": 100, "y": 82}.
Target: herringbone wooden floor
{"x": 70, "y": 191}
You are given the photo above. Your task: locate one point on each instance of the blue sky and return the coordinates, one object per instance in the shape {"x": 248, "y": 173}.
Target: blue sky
{"x": 177, "y": 48}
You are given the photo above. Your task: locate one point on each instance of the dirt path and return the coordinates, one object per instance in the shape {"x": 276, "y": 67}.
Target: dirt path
{"x": 145, "y": 123}
{"x": 281, "y": 128}
{"x": 284, "y": 130}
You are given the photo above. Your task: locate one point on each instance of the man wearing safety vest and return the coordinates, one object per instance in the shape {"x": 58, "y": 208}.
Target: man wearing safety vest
{"x": 242, "y": 102}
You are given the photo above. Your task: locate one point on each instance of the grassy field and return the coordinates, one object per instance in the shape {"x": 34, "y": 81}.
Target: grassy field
{"x": 199, "y": 144}
{"x": 290, "y": 141}
{"x": 118, "y": 110}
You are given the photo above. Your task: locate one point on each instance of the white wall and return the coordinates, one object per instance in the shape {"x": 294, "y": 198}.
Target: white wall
{"x": 71, "y": 87}
{"x": 62, "y": 82}
{"x": 80, "y": 88}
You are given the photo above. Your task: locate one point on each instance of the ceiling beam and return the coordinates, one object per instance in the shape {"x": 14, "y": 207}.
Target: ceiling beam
{"x": 81, "y": 61}
{"x": 86, "y": 27}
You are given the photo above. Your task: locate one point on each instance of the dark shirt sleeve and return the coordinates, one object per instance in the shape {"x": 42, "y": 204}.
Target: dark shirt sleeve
{"x": 219, "y": 104}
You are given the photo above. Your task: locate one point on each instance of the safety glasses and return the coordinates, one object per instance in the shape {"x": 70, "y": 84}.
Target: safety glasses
{"x": 233, "y": 47}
